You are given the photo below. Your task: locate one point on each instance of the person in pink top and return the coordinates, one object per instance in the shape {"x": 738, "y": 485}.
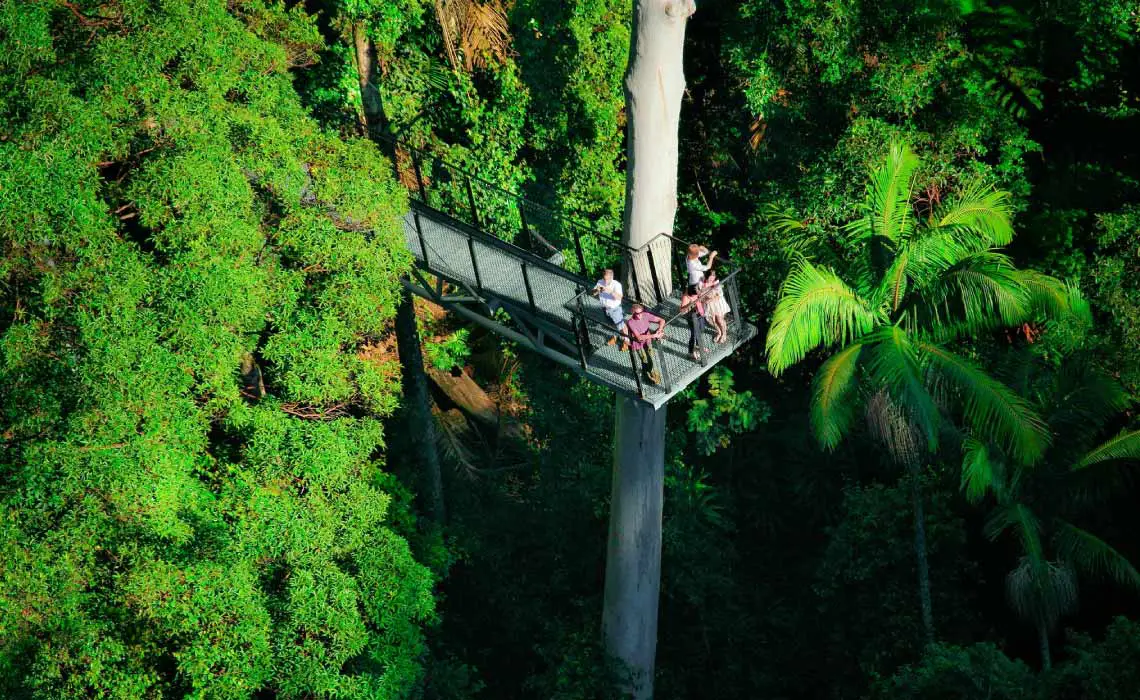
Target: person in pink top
{"x": 638, "y": 326}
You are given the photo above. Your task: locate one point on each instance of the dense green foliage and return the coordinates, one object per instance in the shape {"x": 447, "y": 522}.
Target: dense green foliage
{"x": 205, "y": 496}
{"x": 170, "y": 213}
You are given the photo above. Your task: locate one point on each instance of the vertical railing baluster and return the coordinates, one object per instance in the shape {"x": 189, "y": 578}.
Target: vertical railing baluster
{"x": 474, "y": 263}
{"x": 578, "y": 249}
{"x": 653, "y": 272}
{"x": 525, "y": 227}
{"x": 581, "y": 332}
{"x": 420, "y": 233}
{"x": 633, "y": 274}
{"x": 526, "y": 282}
{"x": 419, "y": 176}
{"x": 471, "y": 201}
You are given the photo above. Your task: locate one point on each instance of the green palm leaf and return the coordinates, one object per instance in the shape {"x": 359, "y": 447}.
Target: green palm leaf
{"x": 1125, "y": 446}
{"x": 981, "y": 291}
{"x": 887, "y": 204}
{"x": 1049, "y": 297}
{"x": 1092, "y": 554}
{"x": 815, "y": 309}
{"x": 981, "y": 473}
{"x": 990, "y": 408}
{"x": 981, "y": 213}
{"x": 832, "y": 410}
{"x": 1026, "y": 526}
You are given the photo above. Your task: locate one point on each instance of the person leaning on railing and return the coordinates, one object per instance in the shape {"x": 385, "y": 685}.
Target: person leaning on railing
{"x": 694, "y": 310}
{"x": 695, "y": 268}
{"x": 716, "y": 308}
{"x": 609, "y": 292}
{"x": 638, "y": 326}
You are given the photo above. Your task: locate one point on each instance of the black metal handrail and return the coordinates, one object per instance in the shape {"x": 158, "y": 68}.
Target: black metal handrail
{"x": 462, "y": 203}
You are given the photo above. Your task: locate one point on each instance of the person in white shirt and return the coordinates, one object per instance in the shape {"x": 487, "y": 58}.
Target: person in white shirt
{"x": 608, "y": 291}
{"x": 695, "y": 267}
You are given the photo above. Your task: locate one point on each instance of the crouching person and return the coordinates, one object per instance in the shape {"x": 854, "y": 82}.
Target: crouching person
{"x": 638, "y": 327}
{"x": 609, "y": 292}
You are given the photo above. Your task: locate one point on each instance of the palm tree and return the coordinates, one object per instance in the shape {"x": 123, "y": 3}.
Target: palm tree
{"x": 1035, "y": 503}
{"x": 885, "y": 295}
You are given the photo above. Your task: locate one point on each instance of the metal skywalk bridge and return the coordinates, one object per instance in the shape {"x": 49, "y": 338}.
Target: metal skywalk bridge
{"x": 524, "y": 272}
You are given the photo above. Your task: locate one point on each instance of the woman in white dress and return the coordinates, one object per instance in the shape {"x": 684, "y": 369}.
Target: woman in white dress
{"x": 716, "y": 308}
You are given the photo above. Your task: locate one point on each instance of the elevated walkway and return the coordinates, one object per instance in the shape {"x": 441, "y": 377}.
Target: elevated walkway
{"x": 523, "y": 272}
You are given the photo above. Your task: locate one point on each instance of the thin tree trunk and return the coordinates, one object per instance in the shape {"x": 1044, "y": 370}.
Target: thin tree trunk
{"x": 654, "y": 85}
{"x": 417, "y": 414}
{"x": 633, "y": 556}
{"x": 920, "y": 554}
{"x": 1043, "y": 639}
{"x": 373, "y": 119}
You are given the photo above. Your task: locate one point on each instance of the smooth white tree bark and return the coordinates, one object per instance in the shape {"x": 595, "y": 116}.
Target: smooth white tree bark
{"x": 654, "y": 85}
{"x": 633, "y": 554}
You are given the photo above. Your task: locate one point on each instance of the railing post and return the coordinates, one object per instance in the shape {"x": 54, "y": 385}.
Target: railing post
{"x": 471, "y": 201}
{"x": 526, "y": 282}
{"x": 580, "y": 331}
{"x": 578, "y": 250}
{"x": 633, "y": 273}
{"x": 419, "y": 176}
{"x": 526, "y": 229}
{"x": 420, "y": 234}
{"x": 653, "y": 272}
{"x": 732, "y": 298}
{"x": 475, "y": 263}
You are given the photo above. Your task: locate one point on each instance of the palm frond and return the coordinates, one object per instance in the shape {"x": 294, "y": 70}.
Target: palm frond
{"x": 895, "y": 366}
{"x": 980, "y": 213}
{"x": 1123, "y": 447}
{"x": 1051, "y": 298}
{"x": 889, "y": 193}
{"x": 796, "y": 237}
{"x": 1026, "y": 528}
{"x": 990, "y": 408}
{"x": 832, "y": 409}
{"x": 932, "y": 251}
{"x": 815, "y": 309}
{"x": 1081, "y": 398}
{"x": 980, "y": 292}
{"x": 982, "y": 472}
{"x": 1089, "y": 553}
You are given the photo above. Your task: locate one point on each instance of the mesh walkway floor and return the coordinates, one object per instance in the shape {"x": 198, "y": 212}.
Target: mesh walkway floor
{"x": 463, "y": 255}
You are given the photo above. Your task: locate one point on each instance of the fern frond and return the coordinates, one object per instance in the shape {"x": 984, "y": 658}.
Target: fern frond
{"x": 990, "y": 408}
{"x": 832, "y": 408}
{"x": 815, "y": 309}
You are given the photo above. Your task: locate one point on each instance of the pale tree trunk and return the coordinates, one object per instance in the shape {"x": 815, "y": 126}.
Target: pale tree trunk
{"x": 633, "y": 554}
{"x": 1043, "y": 640}
{"x": 654, "y": 85}
{"x": 921, "y": 564}
{"x": 417, "y": 413}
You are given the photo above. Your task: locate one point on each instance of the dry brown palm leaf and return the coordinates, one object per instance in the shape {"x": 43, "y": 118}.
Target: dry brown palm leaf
{"x": 477, "y": 30}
